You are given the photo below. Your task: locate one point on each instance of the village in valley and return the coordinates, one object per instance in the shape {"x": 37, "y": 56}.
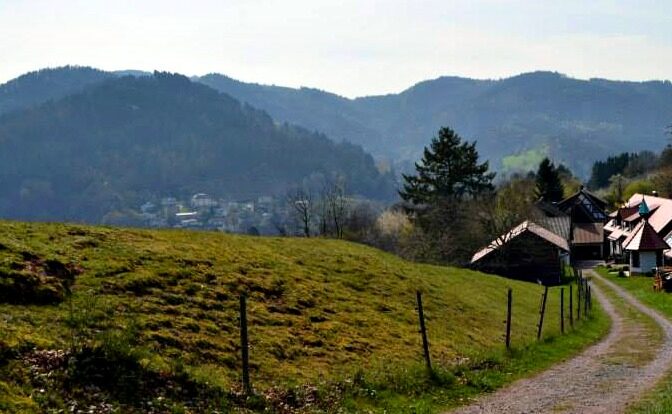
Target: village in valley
{"x": 265, "y": 215}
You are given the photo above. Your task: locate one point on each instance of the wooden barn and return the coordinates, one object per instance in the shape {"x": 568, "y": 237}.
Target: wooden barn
{"x": 528, "y": 252}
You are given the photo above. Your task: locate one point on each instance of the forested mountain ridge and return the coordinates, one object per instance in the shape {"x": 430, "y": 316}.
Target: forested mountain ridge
{"x": 39, "y": 86}
{"x": 127, "y": 139}
{"x": 516, "y": 121}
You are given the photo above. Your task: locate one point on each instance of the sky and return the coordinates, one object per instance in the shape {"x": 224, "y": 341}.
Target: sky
{"x": 349, "y": 47}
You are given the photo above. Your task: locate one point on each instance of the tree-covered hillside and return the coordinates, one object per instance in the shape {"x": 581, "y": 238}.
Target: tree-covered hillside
{"x": 517, "y": 121}
{"x": 126, "y": 139}
{"x": 525, "y": 117}
{"x": 40, "y": 86}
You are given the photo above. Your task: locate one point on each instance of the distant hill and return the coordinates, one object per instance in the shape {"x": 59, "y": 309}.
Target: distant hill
{"x": 125, "y": 139}
{"x": 37, "y": 87}
{"x": 516, "y": 121}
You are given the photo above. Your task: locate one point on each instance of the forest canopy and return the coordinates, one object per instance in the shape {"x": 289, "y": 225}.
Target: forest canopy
{"x": 118, "y": 142}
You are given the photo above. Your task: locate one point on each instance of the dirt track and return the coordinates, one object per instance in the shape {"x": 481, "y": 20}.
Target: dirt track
{"x": 605, "y": 378}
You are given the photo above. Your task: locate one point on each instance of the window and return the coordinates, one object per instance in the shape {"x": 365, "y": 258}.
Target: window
{"x": 634, "y": 259}
{"x": 659, "y": 258}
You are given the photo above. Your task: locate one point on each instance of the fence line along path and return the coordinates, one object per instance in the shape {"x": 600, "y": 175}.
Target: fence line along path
{"x": 604, "y": 378}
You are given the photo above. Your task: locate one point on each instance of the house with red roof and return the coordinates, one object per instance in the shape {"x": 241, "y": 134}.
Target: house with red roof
{"x": 640, "y": 233}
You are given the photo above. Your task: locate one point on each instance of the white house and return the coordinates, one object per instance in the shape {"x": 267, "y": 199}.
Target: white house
{"x": 644, "y": 245}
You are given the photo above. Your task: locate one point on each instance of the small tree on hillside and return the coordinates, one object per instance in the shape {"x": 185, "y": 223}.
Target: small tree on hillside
{"x": 337, "y": 207}
{"x": 301, "y": 202}
{"x": 548, "y": 184}
{"x": 449, "y": 171}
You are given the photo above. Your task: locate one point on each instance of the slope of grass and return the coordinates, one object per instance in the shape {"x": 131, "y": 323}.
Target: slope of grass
{"x": 153, "y": 318}
{"x": 524, "y": 161}
{"x": 659, "y": 401}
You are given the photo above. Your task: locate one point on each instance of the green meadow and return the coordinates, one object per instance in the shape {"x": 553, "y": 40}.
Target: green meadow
{"x": 142, "y": 320}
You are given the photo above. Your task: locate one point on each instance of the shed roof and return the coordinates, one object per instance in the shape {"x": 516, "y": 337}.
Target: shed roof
{"x": 617, "y": 234}
{"x": 588, "y": 233}
{"x": 625, "y": 212}
{"x": 526, "y": 226}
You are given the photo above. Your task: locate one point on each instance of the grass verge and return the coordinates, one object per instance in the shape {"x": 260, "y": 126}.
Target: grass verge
{"x": 414, "y": 391}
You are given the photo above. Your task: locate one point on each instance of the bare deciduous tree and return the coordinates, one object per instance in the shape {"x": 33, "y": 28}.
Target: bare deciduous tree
{"x": 336, "y": 205}
{"x": 301, "y": 202}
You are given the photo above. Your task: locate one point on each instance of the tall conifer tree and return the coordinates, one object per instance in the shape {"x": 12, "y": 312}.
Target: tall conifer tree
{"x": 548, "y": 184}
{"x": 449, "y": 171}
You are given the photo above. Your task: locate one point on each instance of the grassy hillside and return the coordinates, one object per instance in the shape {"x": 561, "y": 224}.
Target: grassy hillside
{"x": 152, "y": 318}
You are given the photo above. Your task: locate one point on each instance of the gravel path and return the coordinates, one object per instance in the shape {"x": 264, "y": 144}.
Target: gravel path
{"x": 602, "y": 379}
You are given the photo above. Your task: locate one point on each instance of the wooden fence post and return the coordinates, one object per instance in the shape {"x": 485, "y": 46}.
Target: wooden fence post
{"x": 543, "y": 310}
{"x": 562, "y": 310}
{"x": 590, "y": 298}
{"x": 244, "y": 345}
{"x": 508, "y": 318}
{"x": 586, "y": 298}
{"x": 423, "y": 331}
{"x": 571, "y": 306}
{"x": 579, "y": 286}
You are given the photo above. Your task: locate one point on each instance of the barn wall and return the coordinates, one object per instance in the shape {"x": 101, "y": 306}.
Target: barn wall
{"x": 527, "y": 257}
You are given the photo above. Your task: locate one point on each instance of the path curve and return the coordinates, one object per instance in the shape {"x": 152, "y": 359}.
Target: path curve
{"x": 590, "y": 382}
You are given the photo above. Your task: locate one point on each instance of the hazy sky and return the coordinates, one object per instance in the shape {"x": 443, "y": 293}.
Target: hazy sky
{"x": 351, "y": 47}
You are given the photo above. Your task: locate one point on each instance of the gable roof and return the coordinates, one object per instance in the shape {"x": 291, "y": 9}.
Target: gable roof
{"x": 558, "y": 225}
{"x": 591, "y": 204}
{"x": 645, "y": 238}
{"x": 595, "y": 199}
{"x": 549, "y": 209}
{"x": 526, "y": 226}
{"x": 625, "y": 212}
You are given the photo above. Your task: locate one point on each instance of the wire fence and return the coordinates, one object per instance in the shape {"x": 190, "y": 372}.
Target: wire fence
{"x": 577, "y": 307}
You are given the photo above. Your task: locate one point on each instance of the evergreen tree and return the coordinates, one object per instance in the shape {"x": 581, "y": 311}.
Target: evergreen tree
{"x": 449, "y": 171}
{"x": 548, "y": 184}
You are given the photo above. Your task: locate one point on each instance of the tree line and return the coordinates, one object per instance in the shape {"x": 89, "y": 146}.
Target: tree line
{"x": 618, "y": 177}
{"x": 451, "y": 206}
